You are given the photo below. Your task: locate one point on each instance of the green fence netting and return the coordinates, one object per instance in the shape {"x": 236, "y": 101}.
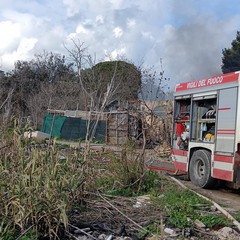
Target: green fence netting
{"x": 52, "y": 124}
{"x": 100, "y": 134}
{"x": 76, "y": 128}
{"x": 72, "y": 128}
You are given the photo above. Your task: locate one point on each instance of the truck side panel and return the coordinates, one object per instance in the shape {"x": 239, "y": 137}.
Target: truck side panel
{"x": 223, "y": 167}
{"x": 226, "y": 120}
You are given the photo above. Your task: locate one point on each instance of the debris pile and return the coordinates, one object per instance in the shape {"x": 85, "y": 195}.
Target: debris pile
{"x": 124, "y": 218}
{"x": 162, "y": 150}
{"x": 116, "y": 217}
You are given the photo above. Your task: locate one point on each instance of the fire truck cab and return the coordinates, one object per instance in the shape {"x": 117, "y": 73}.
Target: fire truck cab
{"x": 206, "y": 130}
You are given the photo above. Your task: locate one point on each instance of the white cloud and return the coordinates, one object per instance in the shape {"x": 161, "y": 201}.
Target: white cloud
{"x": 131, "y": 22}
{"x": 100, "y": 19}
{"x": 81, "y": 29}
{"x": 148, "y": 35}
{"x": 118, "y": 32}
{"x": 9, "y": 32}
{"x": 23, "y": 51}
{"x": 73, "y": 7}
{"x": 115, "y": 54}
{"x": 117, "y": 3}
{"x": 189, "y": 36}
{"x": 25, "y": 46}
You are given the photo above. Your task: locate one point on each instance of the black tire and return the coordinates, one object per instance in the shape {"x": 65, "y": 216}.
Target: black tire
{"x": 200, "y": 169}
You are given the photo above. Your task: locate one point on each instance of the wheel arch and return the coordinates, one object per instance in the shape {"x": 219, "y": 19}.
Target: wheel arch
{"x": 193, "y": 150}
{"x": 201, "y": 175}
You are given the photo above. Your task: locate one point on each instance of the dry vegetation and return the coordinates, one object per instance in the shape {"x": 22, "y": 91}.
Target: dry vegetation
{"x": 51, "y": 191}
{"x": 38, "y": 188}
{"x": 41, "y": 183}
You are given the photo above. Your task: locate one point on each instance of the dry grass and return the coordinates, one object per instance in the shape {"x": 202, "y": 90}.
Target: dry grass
{"x": 37, "y": 188}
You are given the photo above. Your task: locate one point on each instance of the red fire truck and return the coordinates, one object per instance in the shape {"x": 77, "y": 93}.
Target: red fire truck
{"x": 206, "y": 132}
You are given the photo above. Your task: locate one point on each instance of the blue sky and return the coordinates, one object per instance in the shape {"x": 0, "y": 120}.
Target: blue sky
{"x": 188, "y": 35}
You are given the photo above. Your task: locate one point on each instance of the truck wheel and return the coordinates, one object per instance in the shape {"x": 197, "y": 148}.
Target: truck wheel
{"x": 200, "y": 169}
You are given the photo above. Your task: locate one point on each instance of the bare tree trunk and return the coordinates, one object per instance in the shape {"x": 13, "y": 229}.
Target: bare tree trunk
{"x": 97, "y": 103}
{"x": 8, "y": 105}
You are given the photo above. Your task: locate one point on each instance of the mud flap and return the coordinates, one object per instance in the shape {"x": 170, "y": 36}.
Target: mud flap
{"x": 238, "y": 174}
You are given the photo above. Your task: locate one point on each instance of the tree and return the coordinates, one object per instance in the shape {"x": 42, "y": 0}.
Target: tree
{"x": 128, "y": 78}
{"x": 32, "y": 85}
{"x": 97, "y": 98}
{"x": 231, "y": 56}
{"x": 155, "y": 96}
{"x": 154, "y": 87}
{"x": 95, "y": 79}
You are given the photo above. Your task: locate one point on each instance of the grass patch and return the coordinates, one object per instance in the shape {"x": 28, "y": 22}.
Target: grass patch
{"x": 150, "y": 185}
{"x": 154, "y": 228}
{"x": 237, "y": 217}
{"x": 183, "y": 207}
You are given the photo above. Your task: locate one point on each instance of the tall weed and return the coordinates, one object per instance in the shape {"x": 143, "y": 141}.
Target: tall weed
{"x": 126, "y": 174}
{"x": 37, "y": 187}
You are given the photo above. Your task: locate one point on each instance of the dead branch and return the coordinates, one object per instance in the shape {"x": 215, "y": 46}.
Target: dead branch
{"x": 122, "y": 213}
{"x": 82, "y": 231}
